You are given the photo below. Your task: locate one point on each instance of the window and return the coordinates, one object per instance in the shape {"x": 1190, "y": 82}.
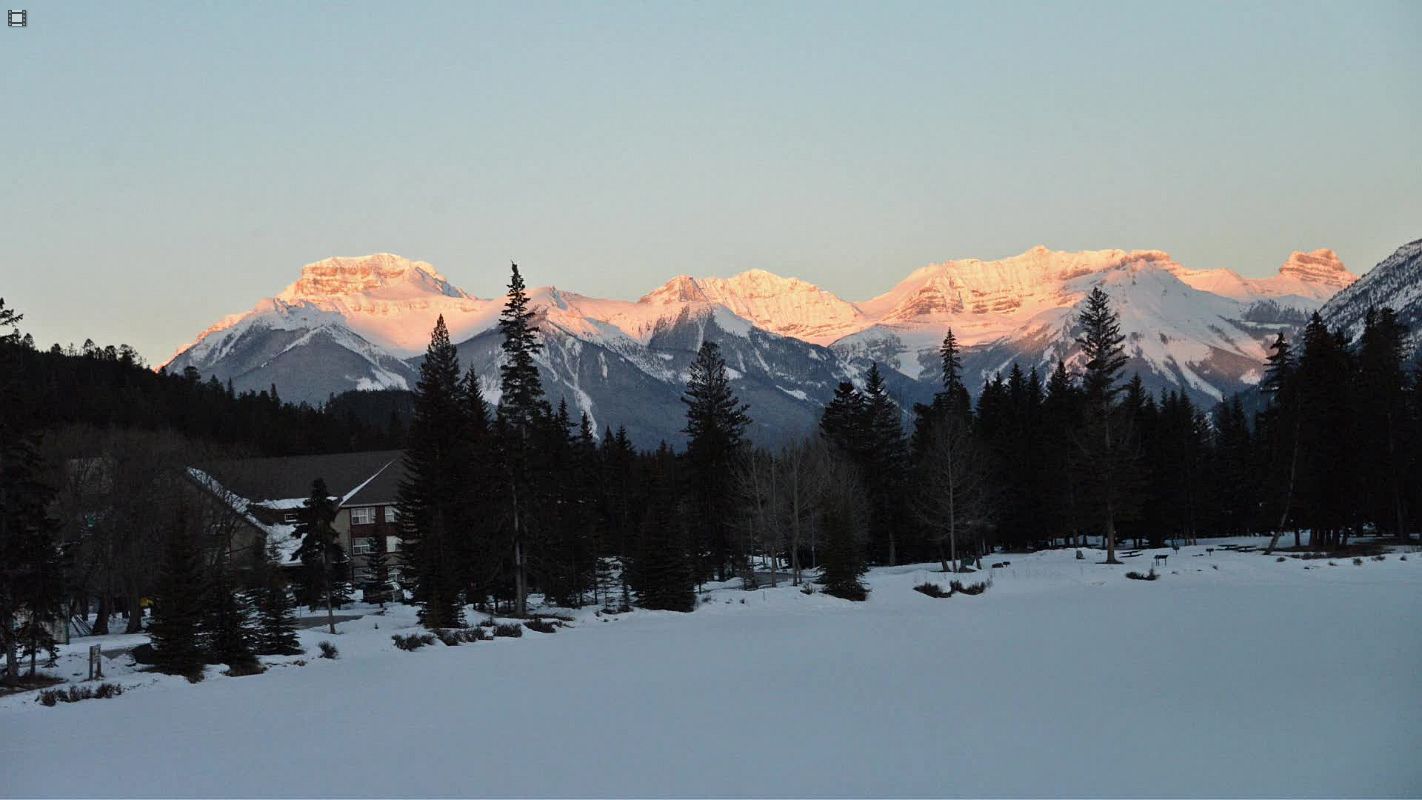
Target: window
{"x": 392, "y": 514}
{"x": 290, "y": 518}
{"x": 361, "y": 546}
{"x": 392, "y": 544}
{"x": 362, "y": 516}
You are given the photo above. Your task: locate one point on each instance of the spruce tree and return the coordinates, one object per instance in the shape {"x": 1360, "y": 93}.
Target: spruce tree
{"x": 430, "y": 505}
{"x": 842, "y": 423}
{"x": 716, "y": 422}
{"x": 320, "y": 552}
{"x": 522, "y": 413}
{"x": 843, "y": 561}
{"x": 224, "y": 629}
{"x": 662, "y": 573}
{"x": 882, "y": 464}
{"x": 179, "y": 600}
{"x": 31, "y": 581}
{"x": 1108, "y": 456}
{"x": 377, "y": 567}
{"x": 1384, "y": 419}
{"x": 276, "y": 624}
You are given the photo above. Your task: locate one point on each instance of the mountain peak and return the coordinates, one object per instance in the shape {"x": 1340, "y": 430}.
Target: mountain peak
{"x": 681, "y": 289}
{"x": 1318, "y": 266}
{"x": 381, "y": 275}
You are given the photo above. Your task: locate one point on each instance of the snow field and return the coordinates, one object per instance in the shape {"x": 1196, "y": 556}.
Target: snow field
{"x": 1233, "y": 675}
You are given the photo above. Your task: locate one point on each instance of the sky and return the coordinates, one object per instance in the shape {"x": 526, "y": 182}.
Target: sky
{"x": 165, "y": 164}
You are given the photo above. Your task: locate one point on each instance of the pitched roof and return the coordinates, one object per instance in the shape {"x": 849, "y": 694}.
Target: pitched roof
{"x": 381, "y": 490}
{"x": 289, "y": 477}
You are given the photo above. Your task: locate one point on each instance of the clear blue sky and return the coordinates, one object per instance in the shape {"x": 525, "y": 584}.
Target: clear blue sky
{"x": 164, "y": 164}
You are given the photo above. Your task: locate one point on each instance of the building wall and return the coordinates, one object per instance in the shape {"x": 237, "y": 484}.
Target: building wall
{"x": 383, "y": 527}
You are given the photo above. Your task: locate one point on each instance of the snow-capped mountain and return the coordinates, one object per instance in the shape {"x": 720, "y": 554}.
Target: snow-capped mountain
{"x": 1396, "y": 282}
{"x": 360, "y": 323}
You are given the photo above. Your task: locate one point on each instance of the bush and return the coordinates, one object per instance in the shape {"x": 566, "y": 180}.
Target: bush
{"x": 453, "y": 637}
{"x": 1357, "y": 562}
{"x": 414, "y": 641}
{"x": 52, "y": 697}
{"x": 1280, "y": 560}
{"x": 1148, "y": 576}
{"x": 243, "y": 668}
{"x": 328, "y": 650}
{"x": 510, "y": 630}
{"x": 1379, "y": 557}
{"x": 932, "y": 590}
{"x": 806, "y": 588}
{"x": 957, "y": 587}
{"x": 542, "y": 625}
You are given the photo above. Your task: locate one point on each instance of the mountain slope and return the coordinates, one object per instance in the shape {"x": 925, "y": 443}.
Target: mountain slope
{"x": 351, "y": 323}
{"x": 1395, "y": 282}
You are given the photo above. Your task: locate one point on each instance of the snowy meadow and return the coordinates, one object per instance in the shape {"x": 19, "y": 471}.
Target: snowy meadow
{"x": 1234, "y": 674}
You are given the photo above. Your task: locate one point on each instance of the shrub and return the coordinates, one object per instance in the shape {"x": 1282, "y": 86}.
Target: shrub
{"x": 511, "y": 630}
{"x": 1280, "y": 560}
{"x": 806, "y": 588}
{"x": 243, "y": 668}
{"x": 328, "y": 650}
{"x": 957, "y": 587}
{"x": 932, "y": 590}
{"x": 453, "y": 637}
{"x": 1137, "y": 576}
{"x": 1357, "y": 562}
{"x": 52, "y": 697}
{"x": 487, "y": 623}
{"x": 1380, "y": 557}
{"x": 543, "y": 626}
{"x": 413, "y": 641}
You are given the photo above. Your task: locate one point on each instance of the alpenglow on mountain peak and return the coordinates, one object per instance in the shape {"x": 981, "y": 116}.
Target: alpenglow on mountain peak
{"x": 379, "y": 275}
{"x": 364, "y": 322}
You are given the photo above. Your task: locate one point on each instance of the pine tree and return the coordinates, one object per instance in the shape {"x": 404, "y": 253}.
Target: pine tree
{"x": 1279, "y": 432}
{"x": 843, "y": 561}
{"x": 276, "y": 623}
{"x": 842, "y": 423}
{"x": 320, "y": 552}
{"x": 716, "y": 422}
{"x": 522, "y": 412}
{"x": 430, "y": 505}
{"x": 662, "y": 573}
{"x": 224, "y": 628}
{"x": 1383, "y": 419}
{"x": 1327, "y": 465}
{"x": 882, "y": 467}
{"x": 31, "y": 583}
{"x": 178, "y": 605}
{"x": 1107, "y": 455}
{"x": 377, "y": 567}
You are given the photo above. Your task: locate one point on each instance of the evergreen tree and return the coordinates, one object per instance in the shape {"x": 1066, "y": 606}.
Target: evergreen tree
{"x": 716, "y": 422}
{"x": 1383, "y": 420}
{"x": 843, "y": 561}
{"x": 1108, "y": 455}
{"x": 276, "y": 623}
{"x": 882, "y": 467}
{"x": 430, "y": 506}
{"x": 377, "y": 567}
{"x": 662, "y": 573}
{"x": 178, "y": 605}
{"x": 1326, "y": 469}
{"x": 522, "y": 413}
{"x": 1061, "y": 418}
{"x": 1278, "y": 425}
{"x": 842, "y": 423}
{"x": 31, "y": 584}
{"x": 320, "y": 550}
{"x": 224, "y": 627}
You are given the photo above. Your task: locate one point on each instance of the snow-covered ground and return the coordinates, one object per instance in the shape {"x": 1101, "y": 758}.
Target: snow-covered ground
{"x": 1232, "y": 675}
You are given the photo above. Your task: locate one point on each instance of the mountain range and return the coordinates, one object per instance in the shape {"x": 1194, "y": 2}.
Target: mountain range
{"x": 364, "y": 322}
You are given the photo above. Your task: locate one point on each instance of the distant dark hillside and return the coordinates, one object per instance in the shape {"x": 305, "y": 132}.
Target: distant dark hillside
{"x": 110, "y": 387}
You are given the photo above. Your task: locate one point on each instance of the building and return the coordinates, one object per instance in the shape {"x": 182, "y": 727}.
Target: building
{"x": 269, "y": 493}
